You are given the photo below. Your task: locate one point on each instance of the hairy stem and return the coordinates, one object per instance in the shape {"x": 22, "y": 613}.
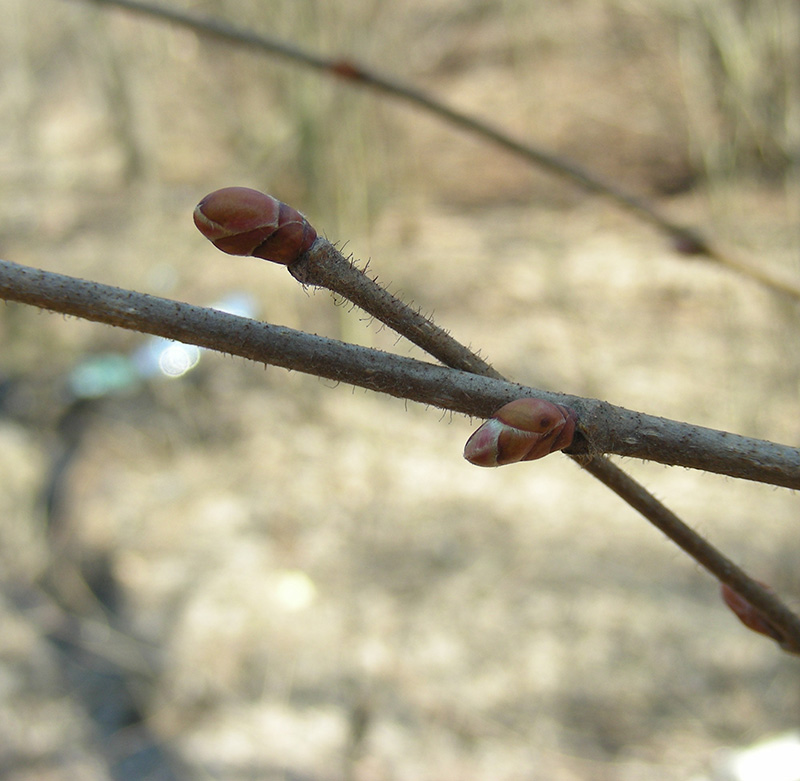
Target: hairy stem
{"x": 771, "y": 607}
{"x": 608, "y": 428}
{"x": 323, "y": 265}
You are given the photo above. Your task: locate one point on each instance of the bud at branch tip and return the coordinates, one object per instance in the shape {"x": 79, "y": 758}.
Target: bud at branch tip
{"x": 241, "y": 221}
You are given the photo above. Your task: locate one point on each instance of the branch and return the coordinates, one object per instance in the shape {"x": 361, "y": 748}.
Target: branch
{"x": 323, "y": 265}
{"x": 761, "y": 610}
{"x": 686, "y": 240}
{"x": 241, "y": 221}
{"x": 607, "y": 428}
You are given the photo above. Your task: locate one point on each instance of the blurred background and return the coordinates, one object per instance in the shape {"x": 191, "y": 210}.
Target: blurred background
{"x": 213, "y": 570}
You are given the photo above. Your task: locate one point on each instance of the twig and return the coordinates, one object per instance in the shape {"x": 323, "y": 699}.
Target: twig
{"x": 241, "y": 221}
{"x": 399, "y": 376}
{"x": 373, "y": 369}
{"x": 764, "y": 600}
{"x": 686, "y": 240}
{"x": 323, "y": 265}
{"x": 604, "y": 427}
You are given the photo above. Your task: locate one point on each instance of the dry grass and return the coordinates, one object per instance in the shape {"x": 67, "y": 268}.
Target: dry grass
{"x": 320, "y": 586}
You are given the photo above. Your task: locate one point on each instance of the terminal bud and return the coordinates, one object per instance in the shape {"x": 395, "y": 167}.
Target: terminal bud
{"x": 241, "y": 221}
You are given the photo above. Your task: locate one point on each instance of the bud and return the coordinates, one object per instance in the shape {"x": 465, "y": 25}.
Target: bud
{"x": 241, "y": 221}
{"x": 748, "y": 615}
{"x": 522, "y": 430}
{"x": 687, "y": 242}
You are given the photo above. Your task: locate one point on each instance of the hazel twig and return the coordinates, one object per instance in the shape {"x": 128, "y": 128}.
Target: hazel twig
{"x": 688, "y": 241}
{"x": 778, "y": 616}
{"x": 396, "y": 375}
{"x": 324, "y": 266}
{"x": 241, "y": 221}
{"x": 319, "y": 263}
{"x": 339, "y": 276}
{"x": 252, "y": 228}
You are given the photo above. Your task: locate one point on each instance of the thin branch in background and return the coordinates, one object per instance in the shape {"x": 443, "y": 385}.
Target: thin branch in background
{"x": 373, "y": 369}
{"x": 688, "y": 241}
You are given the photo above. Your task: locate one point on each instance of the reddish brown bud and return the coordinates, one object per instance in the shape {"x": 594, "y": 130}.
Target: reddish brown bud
{"x": 241, "y": 221}
{"x": 522, "y": 430}
{"x": 748, "y": 615}
{"x": 346, "y": 69}
{"x": 687, "y": 242}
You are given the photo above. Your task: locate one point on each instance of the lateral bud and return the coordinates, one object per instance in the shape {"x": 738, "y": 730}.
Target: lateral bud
{"x": 749, "y": 615}
{"x": 522, "y": 430}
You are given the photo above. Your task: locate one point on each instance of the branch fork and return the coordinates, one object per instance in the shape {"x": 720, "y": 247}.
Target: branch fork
{"x": 524, "y": 429}
{"x": 465, "y": 384}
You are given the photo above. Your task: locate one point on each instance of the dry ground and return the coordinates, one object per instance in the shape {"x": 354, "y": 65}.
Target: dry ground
{"x": 308, "y": 581}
